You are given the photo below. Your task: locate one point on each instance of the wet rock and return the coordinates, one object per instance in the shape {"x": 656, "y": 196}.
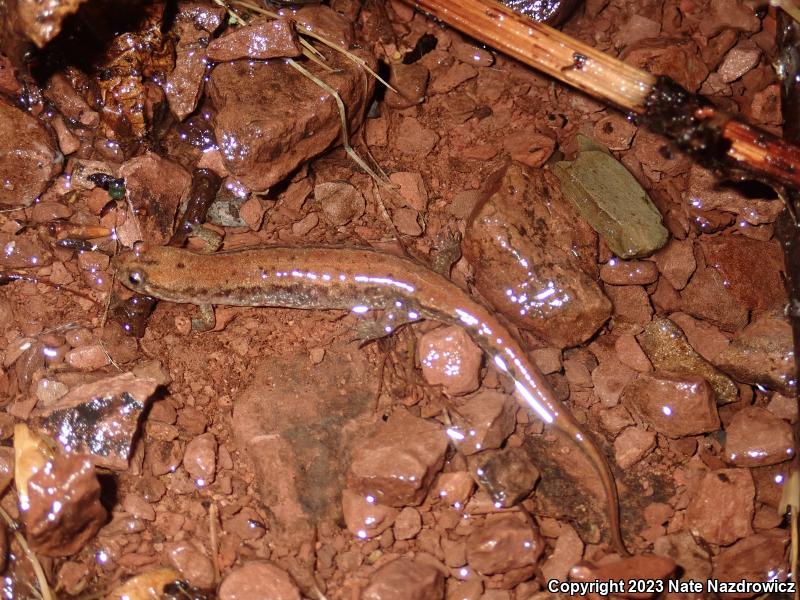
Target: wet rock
{"x": 451, "y": 77}
{"x": 751, "y": 269}
{"x": 483, "y": 421}
{"x": 450, "y": 358}
{"x": 615, "y": 132}
{"x": 411, "y": 83}
{"x": 667, "y": 348}
{"x": 692, "y": 558}
{"x": 454, "y": 488}
{"x": 567, "y": 552}
{"x": 281, "y": 119}
{"x": 64, "y": 506}
{"x": 69, "y": 102}
{"x": 722, "y": 507}
{"x": 30, "y": 158}
{"x": 675, "y": 58}
{"x": 631, "y": 304}
{"x": 553, "y": 295}
{"x": 609, "y": 379}
{"x": 672, "y": 405}
{"x": 628, "y": 272}
{"x": 407, "y": 524}
{"x": 610, "y": 199}
{"x": 200, "y": 459}
{"x": 413, "y": 138}
{"x": 706, "y": 193}
{"x": 762, "y": 354}
{"x": 529, "y": 147}
{"x": 256, "y": 580}
{"x": 676, "y": 262}
{"x": 194, "y": 25}
{"x": 340, "y": 202}
{"x": 733, "y": 14}
{"x": 397, "y": 464}
{"x": 649, "y": 566}
{"x": 412, "y": 189}
{"x": 260, "y": 39}
{"x": 298, "y": 435}
{"x": 755, "y": 438}
{"x": 766, "y": 106}
{"x": 508, "y": 475}
{"x": 156, "y": 187}
{"x": 325, "y": 21}
{"x": 703, "y": 337}
{"x": 504, "y": 543}
{"x": 632, "y": 445}
{"x": 194, "y": 566}
{"x": 739, "y": 60}
{"x": 759, "y": 557}
{"x": 87, "y": 358}
{"x": 365, "y": 518}
{"x": 41, "y": 21}
{"x": 784, "y": 407}
{"x": 98, "y": 419}
{"x": 630, "y": 353}
{"x": 405, "y": 578}
{"x": 138, "y": 507}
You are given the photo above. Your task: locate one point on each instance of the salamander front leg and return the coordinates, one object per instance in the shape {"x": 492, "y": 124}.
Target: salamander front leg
{"x": 206, "y": 321}
{"x": 386, "y": 323}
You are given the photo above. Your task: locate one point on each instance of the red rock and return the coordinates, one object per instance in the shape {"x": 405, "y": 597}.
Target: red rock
{"x": 692, "y": 558}
{"x": 407, "y": 221}
{"x": 636, "y": 28}
{"x": 257, "y": 580}
{"x": 656, "y": 157}
{"x": 454, "y": 488}
{"x": 658, "y": 513}
{"x": 69, "y": 102}
{"x": 631, "y": 303}
{"x": 703, "y": 337}
{"x": 755, "y": 438}
{"x": 412, "y": 189}
{"x": 615, "y": 132}
{"x": 200, "y": 459}
{"x": 281, "y": 119}
{"x": 628, "y": 272}
{"x": 675, "y": 58}
{"x": 483, "y": 421}
{"x": 733, "y": 14}
{"x": 472, "y": 55}
{"x": 64, "y": 506}
{"x": 194, "y": 566}
{"x": 707, "y": 297}
{"x": 529, "y": 147}
{"x": 615, "y": 419}
{"x": 340, "y": 201}
{"x": 721, "y": 509}
{"x": 364, "y": 517}
{"x": 504, "y": 543}
{"x": 766, "y": 106}
{"x": 552, "y": 296}
{"x": 30, "y": 158}
{"x": 404, "y": 578}
{"x": 705, "y": 193}
{"x": 451, "y": 77}
{"x": 411, "y": 137}
{"x": 138, "y": 507}
{"x": 508, "y": 475}
{"x": 632, "y": 445}
{"x": 649, "y": 566}
{"x": 630, "y": 353}
{"x": 399, "y": 461}
{"x": 547, "y": 359}
{"x": 751, "y": 269}
{"x": 325, "y": 21}
{"x": 252, "y": 213}
{"x": 567, "y": 552}
{"x": 760, "y": 557}
{"x": 155, "y": 187}
{"x": 609, "y": 379}
{"x": 407, "y": 524}
{"x": 762, "y": 354}
{"x": 784, "y": 407}
{"x": 99, "y": 418}
{"x": 675, "y": 406}
{"x": 676, "y": 262}
{"x": 411, "y": 83}
{"x": 87, "y": 358}
{"x": 260, "y": 39}
{"x": 739, "y": 60}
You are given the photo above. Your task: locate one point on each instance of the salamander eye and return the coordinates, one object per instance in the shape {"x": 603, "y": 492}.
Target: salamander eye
{"x": 136, "y": 277}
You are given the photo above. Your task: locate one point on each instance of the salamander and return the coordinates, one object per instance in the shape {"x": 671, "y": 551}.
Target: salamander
{"x": 357, "y": 280}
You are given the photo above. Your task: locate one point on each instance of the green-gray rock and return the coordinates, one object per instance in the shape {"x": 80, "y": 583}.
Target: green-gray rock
{"x": 609, "y": 198}
{"x": 668, "y": 349}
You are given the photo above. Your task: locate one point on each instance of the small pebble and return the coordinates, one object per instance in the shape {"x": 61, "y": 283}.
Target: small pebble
{"x": 340, "y": 202}
{"x": 632, "y": 445}
{"x": 87, "y": 358}
{"x": 407, "y": 524}
{"x": 450, "y": 358}
{"x": 628, "y": 272}
{"x": 403, "y": 579}
{"x": 200, "y": 459}
{"x": 192, "y": 564}
{"x": 503, "y": 543}
{"x": 455, "y": 488}
{"x": 483, "y": 421}
{"x": 722, "y": 507}
{"x": 364, "y": 517}
{"x": 756, "y": 438}
{"x": 257, "y": 580}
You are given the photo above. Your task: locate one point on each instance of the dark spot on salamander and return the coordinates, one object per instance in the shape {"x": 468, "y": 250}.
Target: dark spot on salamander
{"x": 180, "y": 265}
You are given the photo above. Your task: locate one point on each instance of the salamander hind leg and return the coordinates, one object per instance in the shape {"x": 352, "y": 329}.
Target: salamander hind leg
{"x": 206, "y": 320}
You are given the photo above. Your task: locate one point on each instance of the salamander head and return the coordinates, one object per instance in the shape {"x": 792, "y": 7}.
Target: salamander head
{"x": 145, "y": 270}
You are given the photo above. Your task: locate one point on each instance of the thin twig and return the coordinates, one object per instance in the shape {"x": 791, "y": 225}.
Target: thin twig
{"x": 37, "y": 566}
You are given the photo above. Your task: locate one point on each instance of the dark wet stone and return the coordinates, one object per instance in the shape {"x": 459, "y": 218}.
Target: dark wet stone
{"x": 99, "y": 418}
{"x": 65, "y": 510}
{"x": 508, "y": 475}
{"x": 260, "y": 39}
